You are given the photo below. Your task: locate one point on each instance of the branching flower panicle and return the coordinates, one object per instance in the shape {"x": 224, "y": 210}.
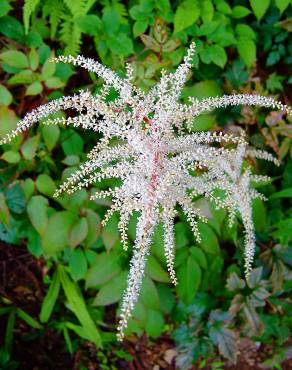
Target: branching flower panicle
{"x": 161, "y": 164}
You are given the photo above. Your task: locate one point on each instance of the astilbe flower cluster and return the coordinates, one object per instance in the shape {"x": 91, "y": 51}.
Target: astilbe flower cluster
{"x": 161, "y": 163}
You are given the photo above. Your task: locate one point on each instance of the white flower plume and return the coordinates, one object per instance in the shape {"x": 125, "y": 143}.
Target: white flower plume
{"x": 160, "y": 163}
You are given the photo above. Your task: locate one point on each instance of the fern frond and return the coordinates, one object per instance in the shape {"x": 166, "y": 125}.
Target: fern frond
{"x": 28, "y": 8}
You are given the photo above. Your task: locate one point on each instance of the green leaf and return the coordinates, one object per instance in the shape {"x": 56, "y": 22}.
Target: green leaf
{"x": 245, "y": 31}
{"x": 186, "y": 15}
{"x": 189, "y": 279}
{"x": 50, "y": 299}
{"x": 111, "y": 20}
{"x": 34, "y": 89}
{"x": 259, "y": 7}
{"x": 5, "y": 96}
{"x": 23, "y": 77}
{"x": 37, "y": 208}
{"x": 28, "y": 319}
{"x": 139, "y": 27}
{"x": 154, "y": 323}
{"x": 4, "y": 7}
{"x": 199, "y": 256}
{"x": 155, "y": 271}
{"x": 55, "y": 238}
{"x": 240, "y": 11}
{"x": 45, "y": 184}
{"x": 29, "y": 147}
{"x": 94, "y": 227}
{"x": 48, "y": 69}
{"x": 110, "y": 233}
{"x": 259, "y": 215}
{"x": 28, "y": 9}
{"x": 225, "y": 339}
{"x": 77, "y": 305}
{"x": 54, "y": 82}
{"x": 121, "y": 44}
{"x": 77, "y": 264}
{"x": 286, "y": 193}
{"x": 14, "y": 58}
{"x": 202, "y": 90}
{"x": 247, "y": 51}
{"x": 72, "y": 143}
{"x": 105, "y": 267}
{"x": 78, "y": 232}
{"x": 8, "y": 339}
{"x": 112, "y": 291}
{"x": 12, "y": 28}
{"x": 149, "y": 289}
{"x": 15, "y": 198}
{"x": 33, "y": 58}
{"x": 209, "y": 241}
{"x": 90, "y": 24}
{"x": 218, "y": 55}
{"x": 4, "y": 211}
{"x": 11, "y": 156}
{"x": 282, "y": 4}
{"x": 207, "y": 10}
{"x": 50, "y": 135}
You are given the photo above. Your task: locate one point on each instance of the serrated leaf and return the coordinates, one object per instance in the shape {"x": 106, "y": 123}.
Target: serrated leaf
{"x": 50, "y": 135}
{"x": 94, "y": 227}
{"x": 112, "y": 291}
{"x": 247, "y": 51}
{"x": 234, "y": 282}
{"x": 218, "y": 55}
{"x": 225, "y": 339}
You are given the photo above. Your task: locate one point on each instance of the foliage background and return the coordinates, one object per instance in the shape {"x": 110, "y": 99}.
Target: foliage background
{"x": 62, "y": 276}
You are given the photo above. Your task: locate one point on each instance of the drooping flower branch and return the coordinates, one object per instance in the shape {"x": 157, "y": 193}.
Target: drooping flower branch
{"x": 161, "y": 164}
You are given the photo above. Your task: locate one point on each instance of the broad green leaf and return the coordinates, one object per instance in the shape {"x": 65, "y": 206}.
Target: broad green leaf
{"x": 247, "y": 51}
{"x": 37, "y": 213}
{"x": 121, "y": 44}
{"x": 28, "y": 319}
{"x": 139, "y": 27}
{"x": 14, "y": 58}
{"x": 50, "y": 135}
{"x": 4, "y": 211}
{"x": 29, "y": 147}
{"x": 4, "y": 7}
{"x": 48, "y": 69}
{"x": 54, "y": 82}
{"x": 94, "y": 227}
{"x": 77, "y": 305}
{"x": 89, "y": 24}
{"x": 78, "y": 232}
{"x": 72, "y": 143}
{"x": 50, "y": 299}
{"x": 199, "y": 256}
{"x": 189, "y": 279}
{"x": 282, "y": 4}
{"x": 77, "y": 264}
{"x": 45, "y": 184}
{"x": 154, "y": 323}
{"x": 111, "y": 20}
{"x": 34, "y": 89}
{"x": 259, "y": 7}
{"x": 149, "y": 289}
{"x": 15, "y": 198}
{"x": 23, "y": 77}
{"x": 186, "y": 15}
{"x": 110, "y": 233}
{"x": 5, "y": 96}
{"x": 240, "y": 11}
{"x": 203, "y": 122}
{"x": 245, "y": 32}
{"x": 166, "y": 298}
{"x": 112, "y": 291}
{"x": 28, "y": 188}
{"x": 202, "y": 90}
{"x": 218, "y": 55}
{"x": 207, "y": 10}
{"x": 259, "y": 215}
{"x": 12, "y": 28}
{"x": 209, "y": 241}
{"x": 11, "y": 156}
{"x": 33, "y": 58}
{"x": 55, "y": 238}
{"x": 155, "y": 271}
{"x": 106, "y": 266}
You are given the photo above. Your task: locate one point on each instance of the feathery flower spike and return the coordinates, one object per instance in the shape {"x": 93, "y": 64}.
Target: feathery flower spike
{"x": 156, "y": 158}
